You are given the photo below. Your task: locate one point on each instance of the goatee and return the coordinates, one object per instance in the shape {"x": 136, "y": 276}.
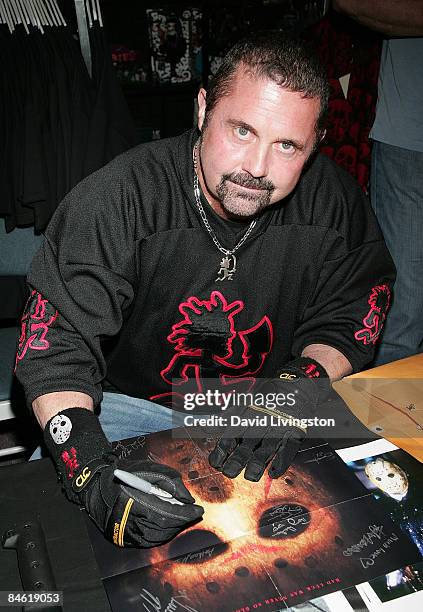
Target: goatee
{"x": 239, "y": 201}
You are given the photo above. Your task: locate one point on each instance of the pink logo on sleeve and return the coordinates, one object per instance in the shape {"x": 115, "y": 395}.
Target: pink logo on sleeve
{"x": 380, "y": 297}
{"x": 36, "y": 320}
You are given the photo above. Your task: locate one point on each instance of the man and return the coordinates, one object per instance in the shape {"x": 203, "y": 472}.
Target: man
{"x": 228, "y": 253}
{"x": 396, "y": 180}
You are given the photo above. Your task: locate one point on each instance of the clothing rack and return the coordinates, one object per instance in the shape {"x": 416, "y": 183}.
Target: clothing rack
{"x": 60, "y": 120}
{"x": 36, "y": 13}
{"x": 43, "y": 13}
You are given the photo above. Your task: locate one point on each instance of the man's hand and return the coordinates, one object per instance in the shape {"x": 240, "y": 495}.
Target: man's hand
{"x": 232, "y": 454}
{"x": 253, "y": 446}
{"x": 85, "y": 463}
{"x": 128, "y": 517}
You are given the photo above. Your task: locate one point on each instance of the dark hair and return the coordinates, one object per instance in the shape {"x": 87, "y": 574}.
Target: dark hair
{"x": 287, "y": 61}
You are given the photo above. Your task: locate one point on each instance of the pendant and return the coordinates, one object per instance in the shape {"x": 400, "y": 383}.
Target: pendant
{"x": 227, "y": 268}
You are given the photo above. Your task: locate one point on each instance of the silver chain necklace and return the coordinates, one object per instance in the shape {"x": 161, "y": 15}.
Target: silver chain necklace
{"x": 228, "y": 262}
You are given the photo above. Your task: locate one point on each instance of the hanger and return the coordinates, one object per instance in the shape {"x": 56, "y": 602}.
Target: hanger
{"x": 87, "y": 12}
{"x": 42, "y": 13}
{"x": 36, "y": 13}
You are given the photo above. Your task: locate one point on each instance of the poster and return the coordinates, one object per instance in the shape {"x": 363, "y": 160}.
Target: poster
{"x": 175, "y": 42}
{"x": 395, "y": 479}
{"x": 268, "y": 545}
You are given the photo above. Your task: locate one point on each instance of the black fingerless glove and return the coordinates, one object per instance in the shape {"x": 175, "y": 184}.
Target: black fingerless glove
{"x": 85, "y": 463}
{"x": 252, "y": 446}
{"x": 79, "y": 449}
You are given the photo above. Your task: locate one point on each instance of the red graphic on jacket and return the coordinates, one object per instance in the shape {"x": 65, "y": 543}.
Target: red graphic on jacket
{"x": 378, "y": 301}
{"x": 70, "y": 461}
{"x": 208, "y": 346}
{"x": 36, "y": 320}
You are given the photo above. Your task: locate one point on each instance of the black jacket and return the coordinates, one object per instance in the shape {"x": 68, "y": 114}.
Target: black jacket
{"x": 127, "y": 277}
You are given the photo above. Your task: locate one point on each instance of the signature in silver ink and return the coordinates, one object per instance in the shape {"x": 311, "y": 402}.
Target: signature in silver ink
{"x": 321, "y": 456}
{"x": 124, "y": 450}
{"x": 290, "y": 526}
{"x": 374, "y": 532}
{"x": 197, "y": 557}
{"x": 285, "y": 511}
{"x": 152, "y": 603}
{"x": 382, "y": 550}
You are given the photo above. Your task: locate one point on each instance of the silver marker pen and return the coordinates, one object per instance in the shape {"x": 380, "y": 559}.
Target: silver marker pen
{"x": 146, "y": 487}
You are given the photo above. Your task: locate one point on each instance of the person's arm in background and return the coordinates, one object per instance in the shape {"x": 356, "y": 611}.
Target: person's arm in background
{"x": 390, "y": 17}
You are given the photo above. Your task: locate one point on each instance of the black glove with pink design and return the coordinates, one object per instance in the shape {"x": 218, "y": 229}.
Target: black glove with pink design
{"x": 85, "y": 463}
{"x": 272, "y": 434}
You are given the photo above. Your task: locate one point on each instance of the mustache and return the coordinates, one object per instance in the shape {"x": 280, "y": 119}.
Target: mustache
{"x": 245, "y": 180}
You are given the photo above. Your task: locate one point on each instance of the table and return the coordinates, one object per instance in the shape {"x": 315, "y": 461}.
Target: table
{"x": 29, "y": 491}
{"x": 389, "y": 401}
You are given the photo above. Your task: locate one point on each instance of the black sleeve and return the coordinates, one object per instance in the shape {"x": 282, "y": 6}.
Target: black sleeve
{"x": 348, "y": 306}
{"x": 82, "y": 280}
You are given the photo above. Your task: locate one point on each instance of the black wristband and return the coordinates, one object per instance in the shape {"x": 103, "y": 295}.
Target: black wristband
{"x": 303, "y": 376}
{"x": 308, "y": 369}
{"x": 305, "y": 367}
{"x": 79, "y": 448}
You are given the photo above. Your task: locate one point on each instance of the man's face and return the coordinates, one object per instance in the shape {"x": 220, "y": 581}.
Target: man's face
{"x": 255, "y": 144}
